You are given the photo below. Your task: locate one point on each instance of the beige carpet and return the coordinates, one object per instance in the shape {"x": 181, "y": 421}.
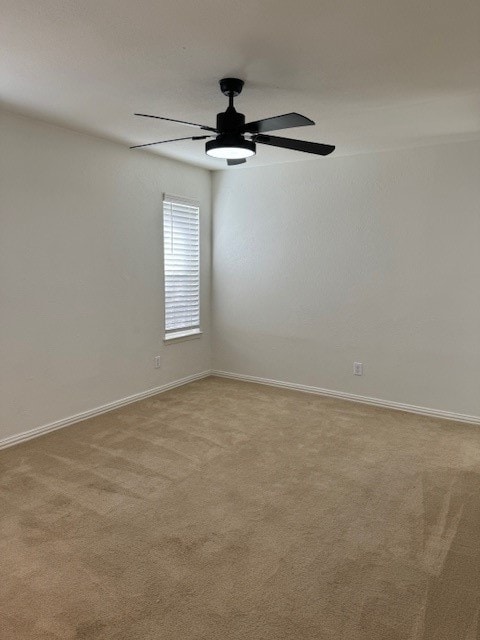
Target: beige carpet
{"x": 226, "y": 510}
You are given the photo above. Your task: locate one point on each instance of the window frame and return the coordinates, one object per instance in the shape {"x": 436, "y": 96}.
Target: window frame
{"x": 181, "y": 334}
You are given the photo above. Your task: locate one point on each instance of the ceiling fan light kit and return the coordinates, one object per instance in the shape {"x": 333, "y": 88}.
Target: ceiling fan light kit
{"x": 230, "y": 142}
{"x": 230, "y": 147}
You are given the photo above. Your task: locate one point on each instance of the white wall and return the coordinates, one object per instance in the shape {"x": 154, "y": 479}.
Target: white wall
{"x": 319, "y": 263}
{"x": 81, "y": 262}
{"x": 374, "y": 258}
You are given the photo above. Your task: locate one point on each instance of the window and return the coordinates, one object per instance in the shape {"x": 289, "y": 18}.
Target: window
{"x": 181, "y": 235}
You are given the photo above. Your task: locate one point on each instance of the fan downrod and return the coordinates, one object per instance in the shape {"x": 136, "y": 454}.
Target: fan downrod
{"x": 231, "y": 87}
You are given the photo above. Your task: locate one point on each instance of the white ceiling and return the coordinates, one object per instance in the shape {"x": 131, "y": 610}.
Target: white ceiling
{"x": 373, "y": 74}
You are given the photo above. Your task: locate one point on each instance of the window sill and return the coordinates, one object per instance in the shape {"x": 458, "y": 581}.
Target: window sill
{"x": 180, "y": 336}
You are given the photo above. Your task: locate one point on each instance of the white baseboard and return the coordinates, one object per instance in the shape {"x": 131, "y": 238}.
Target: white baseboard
{"x": 376, "y": 402}
{"x": 65, "y": 422}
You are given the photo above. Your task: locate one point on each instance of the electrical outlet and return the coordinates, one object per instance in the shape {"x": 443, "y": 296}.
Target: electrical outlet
{"x": 358, "y": 368}
{"x": 157, "y": 362}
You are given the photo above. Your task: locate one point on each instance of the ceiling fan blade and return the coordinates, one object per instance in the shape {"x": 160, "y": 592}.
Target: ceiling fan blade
{"x": 296, "y": 145}
{"x": 189, "y": 124}
{"x": 149, "y": 144}
{"x": 286, "y": 121}
{"x": 238, "y": 161}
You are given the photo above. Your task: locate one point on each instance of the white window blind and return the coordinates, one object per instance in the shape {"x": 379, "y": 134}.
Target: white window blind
{"x": 181, "y": 238}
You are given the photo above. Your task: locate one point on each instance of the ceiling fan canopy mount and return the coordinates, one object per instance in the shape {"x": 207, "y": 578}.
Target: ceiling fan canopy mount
{"x": 231, "y": 86}
{"x": 230, "y": 142}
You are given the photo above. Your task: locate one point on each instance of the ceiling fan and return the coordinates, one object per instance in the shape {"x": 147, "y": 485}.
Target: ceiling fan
{"x": 235, "y": 140}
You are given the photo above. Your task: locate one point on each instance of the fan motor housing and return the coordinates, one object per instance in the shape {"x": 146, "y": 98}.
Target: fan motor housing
{"x": 230, "y": 121}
